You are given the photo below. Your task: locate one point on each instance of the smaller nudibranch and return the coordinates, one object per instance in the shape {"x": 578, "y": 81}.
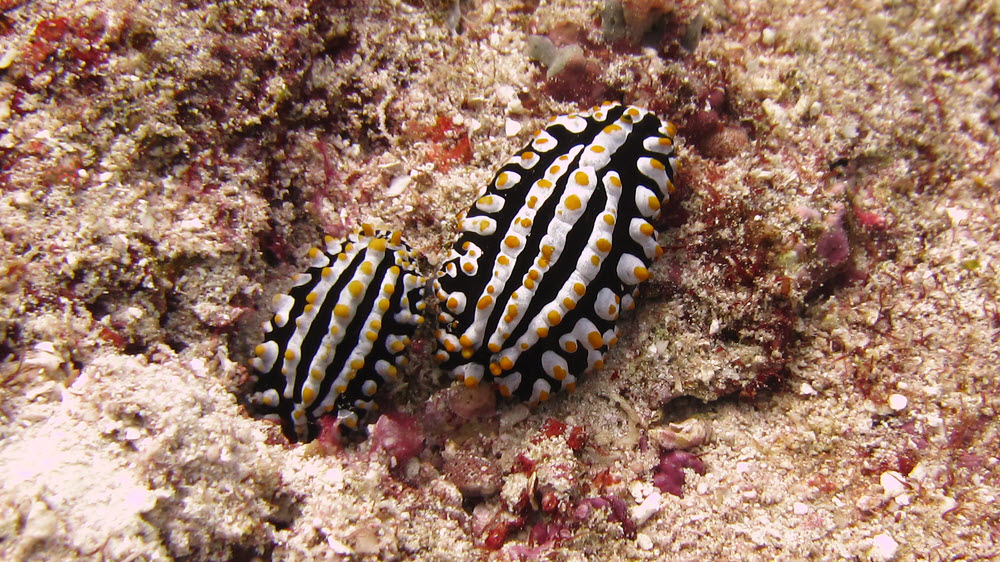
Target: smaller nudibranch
{"x": 339, "y": 333}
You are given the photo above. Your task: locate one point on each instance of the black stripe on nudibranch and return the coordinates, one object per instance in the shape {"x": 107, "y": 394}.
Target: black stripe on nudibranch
{"x": 553, "y": 250}
{"x": 339, "y": 333}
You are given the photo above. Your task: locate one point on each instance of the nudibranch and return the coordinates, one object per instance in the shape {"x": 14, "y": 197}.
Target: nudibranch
{"x": 553, "y": 250}
{"x": 339, "y": 333}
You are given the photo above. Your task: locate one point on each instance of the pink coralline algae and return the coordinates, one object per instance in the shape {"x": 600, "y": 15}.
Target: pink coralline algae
{"x": 833, "y": 245}
{"x": 668, "y": 476}
{"x": 399, "y": 435}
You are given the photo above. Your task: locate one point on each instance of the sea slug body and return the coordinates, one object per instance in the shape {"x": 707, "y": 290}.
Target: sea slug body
{"x": 546, "y": 259}
{"x": 553, "y": 250}
{"x": 339, "y": 333}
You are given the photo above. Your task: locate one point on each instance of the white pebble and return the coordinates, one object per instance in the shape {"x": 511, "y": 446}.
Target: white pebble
{"x": 893, "y": 483}
{"x": 338, "y": 547}
{"x": 474, "y": 125}
{"x": 767, "y": 36}
{"x": 506, "y": 94}
{"x": 648, "y": 508}
{"x": 948, "y": 504}
{"x": 884, "y": 547}
{"x": 40, "y": 523}
{"x": 807, "y": 390}
{"x": 643, "y": 541}
{"x": 140, "y": 499}
{"x": 511, "y": 127}
{"x": 957, "y": 214}
{"x": 191, "y": 225}
{"x": 898, "y": 402}
{"x": 849, "y": 131}
{"x": 21, "y": 198}
{"x": 334, "y": 476}
{"x": 799, "y": 508}
{"x": 638, "y": 491}
{"x": 398, "y": 185}
{"x": 742, "y": 467}
{"x": 9, "y": 57}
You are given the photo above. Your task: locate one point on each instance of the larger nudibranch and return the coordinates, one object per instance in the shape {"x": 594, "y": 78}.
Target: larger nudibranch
{"x": 553, "y": 250}
{"x": 339, "y": 333}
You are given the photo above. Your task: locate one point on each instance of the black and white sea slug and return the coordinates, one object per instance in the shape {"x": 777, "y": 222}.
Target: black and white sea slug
{"x": 552, "y": 252}
{"x": 339, "y": 333}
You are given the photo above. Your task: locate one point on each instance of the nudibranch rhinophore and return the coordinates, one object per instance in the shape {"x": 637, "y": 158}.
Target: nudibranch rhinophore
{"x": 339, "y": 333}
{"x": 553, "y": 250}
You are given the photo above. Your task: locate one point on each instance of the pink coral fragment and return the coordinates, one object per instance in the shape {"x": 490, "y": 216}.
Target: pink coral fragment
{"x": 399, "y": 435}
{"x": 668, "y": 476}
{"x": 833, "y": 245}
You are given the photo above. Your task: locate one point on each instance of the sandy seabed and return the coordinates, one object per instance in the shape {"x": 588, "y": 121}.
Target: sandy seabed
{"x": 820, "y": 340}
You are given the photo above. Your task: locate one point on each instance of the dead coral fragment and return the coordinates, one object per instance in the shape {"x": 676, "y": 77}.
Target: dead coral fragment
{"x": 473, "y": 474}
{"x": 632, "y": 19}
{"x": 687, "y": 434}
{"x": 569, "y": 75}
{"x": 554, "y": 59}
